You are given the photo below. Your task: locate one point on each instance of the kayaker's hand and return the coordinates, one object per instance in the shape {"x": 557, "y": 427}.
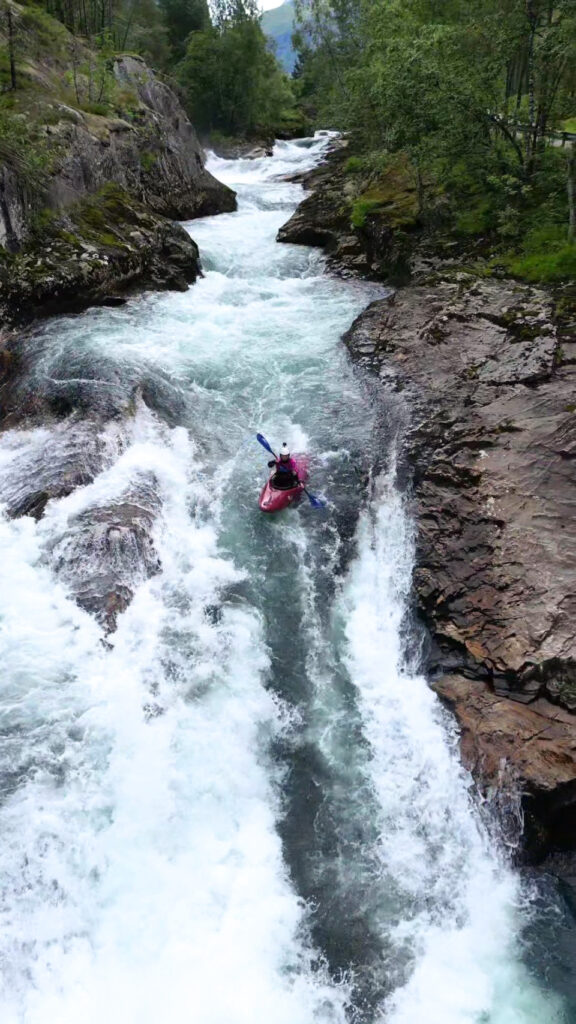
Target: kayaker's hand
{"x": 270, "y": 464}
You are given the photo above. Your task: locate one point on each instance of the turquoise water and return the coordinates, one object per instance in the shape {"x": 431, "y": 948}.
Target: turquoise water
{"x": 244, "y": 804}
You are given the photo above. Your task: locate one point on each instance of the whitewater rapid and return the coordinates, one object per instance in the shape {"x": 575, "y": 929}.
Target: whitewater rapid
{"x": 244, "y": 804}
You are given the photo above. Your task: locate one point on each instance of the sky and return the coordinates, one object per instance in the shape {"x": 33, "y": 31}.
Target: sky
{"x": 268, "y": 4}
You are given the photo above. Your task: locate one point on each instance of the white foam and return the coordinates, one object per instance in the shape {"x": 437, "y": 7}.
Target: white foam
{"x": 462, "y": 911}
{"x": 141, "y": 889}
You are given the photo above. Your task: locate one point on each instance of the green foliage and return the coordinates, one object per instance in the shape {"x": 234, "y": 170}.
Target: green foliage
{"x": 547, "y": 256}
{"x": 24, "y": 149}
{"x": 361, "y": 210}
{"x": 43, "y": 220}
{"x": 477, "y": 219}
{"x": 147, "y": 161}
{"x": 292, "y": 122}
{"x": 354, "y": 165}
{"x": 445, "y": 82}
{"x": 101, "y": 109}
{"x": 231, "y": 81}
{"x": 181, "y": 18}
{"x": 547, "y": 267}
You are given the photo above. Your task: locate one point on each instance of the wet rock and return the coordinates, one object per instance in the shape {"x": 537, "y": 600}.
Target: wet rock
{"x": 514, "y": 745}
{"x": 491, "y": 447}
{"x": 92, "y": 256}
{"x": 151, "y": 152}
{"x": 94, "y": 225}
{"x": 321, "y": 218}
{"x": 380, "y": 244}
{"x": 108, "y": 550}
{"x": 242, "y": 149}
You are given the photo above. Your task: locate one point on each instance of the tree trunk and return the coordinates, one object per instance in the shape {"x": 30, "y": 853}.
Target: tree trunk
{"x": 11, "y": 55}
{"x": 571, "y": 188}
{"x": 531, "y": 137}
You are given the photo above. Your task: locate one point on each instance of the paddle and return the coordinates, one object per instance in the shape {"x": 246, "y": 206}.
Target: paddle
{"x": 314, "y": 501}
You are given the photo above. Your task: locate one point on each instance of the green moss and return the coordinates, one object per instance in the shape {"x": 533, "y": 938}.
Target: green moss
{"x": 70, "y": 239}
{"x": 148, "y": 160}
{"x": 354, "y": 165}
{"x": 361, "y": 210}
{"x": 108, "y": 240}
{"x": 545, "y": 267}
{"x": 91, "y": 216}
{"x": 43, "y": 221}
{"x": 390, "y": 192}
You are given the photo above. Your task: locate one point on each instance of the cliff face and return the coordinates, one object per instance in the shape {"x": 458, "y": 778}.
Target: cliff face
{"x": 491, "y": 383}
{"x": 65, "y": 243}
{"x": 152, "y": 152}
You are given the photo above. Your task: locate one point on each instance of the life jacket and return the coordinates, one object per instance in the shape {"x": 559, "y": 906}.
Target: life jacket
{"x": 286, "y": 474}
{"x": 290, "y": 465}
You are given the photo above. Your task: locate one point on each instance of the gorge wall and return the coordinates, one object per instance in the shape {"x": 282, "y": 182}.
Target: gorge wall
{"x": 488, "y": 368}
{"x": 92, "y": 220}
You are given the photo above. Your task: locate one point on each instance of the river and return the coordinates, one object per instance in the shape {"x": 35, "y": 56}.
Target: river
{"x": 244, "y": 805}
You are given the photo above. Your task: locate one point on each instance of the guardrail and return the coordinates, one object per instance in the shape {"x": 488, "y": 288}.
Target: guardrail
{"x": 556, "y": 136}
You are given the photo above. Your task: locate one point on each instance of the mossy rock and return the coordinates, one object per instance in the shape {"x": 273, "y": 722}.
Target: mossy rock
{"x": 391, "y": 195}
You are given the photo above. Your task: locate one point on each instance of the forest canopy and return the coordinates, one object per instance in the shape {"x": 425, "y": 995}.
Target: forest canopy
{"x": 217, "y": 54}
{"x": 474, "y": 96}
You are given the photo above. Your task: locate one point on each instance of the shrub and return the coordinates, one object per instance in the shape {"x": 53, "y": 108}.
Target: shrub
{"x": 354, "y": 165}
{"x": 546, "y": 267}
{"x": 361, "y": 210}
{"x": 475, "y": 220}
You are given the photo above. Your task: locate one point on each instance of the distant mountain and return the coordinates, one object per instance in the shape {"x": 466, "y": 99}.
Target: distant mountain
{"x": 278, "y": 25}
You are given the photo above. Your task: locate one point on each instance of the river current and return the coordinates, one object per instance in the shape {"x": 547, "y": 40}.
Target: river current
{"x": 243, "y": 806}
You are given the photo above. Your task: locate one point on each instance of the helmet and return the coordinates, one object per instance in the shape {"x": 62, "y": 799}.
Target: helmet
{"x": 284, "y": 451}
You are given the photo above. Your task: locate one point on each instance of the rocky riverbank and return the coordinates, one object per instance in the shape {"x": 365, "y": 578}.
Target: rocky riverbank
{"x": 491, "y": 447}
{"x": 489, "y": 370}
{"x": 92, "y": 221}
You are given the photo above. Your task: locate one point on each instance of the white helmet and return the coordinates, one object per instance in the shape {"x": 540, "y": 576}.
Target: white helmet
{"x": 284, "y": 451}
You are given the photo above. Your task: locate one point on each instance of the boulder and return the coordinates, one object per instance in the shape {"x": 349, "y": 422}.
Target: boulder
{"x": 105, "y": 246}
{"x": 515, "y": 746}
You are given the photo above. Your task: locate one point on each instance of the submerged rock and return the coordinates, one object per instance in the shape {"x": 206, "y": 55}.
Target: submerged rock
{"x": 108, "y": 550}
{"x": 492, "y": 447}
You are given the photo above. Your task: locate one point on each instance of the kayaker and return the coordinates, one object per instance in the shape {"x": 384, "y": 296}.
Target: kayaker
{"x": 286, "y": 475}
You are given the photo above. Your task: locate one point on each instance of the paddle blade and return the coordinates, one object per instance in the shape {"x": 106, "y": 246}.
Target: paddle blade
{"x": 262, "y": 440}
{"x": 315, "y": 502}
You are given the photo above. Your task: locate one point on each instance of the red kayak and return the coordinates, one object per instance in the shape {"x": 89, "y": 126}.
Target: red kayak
{"x": 274, "y": 499}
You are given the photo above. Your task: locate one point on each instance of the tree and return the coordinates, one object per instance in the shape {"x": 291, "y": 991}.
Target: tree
{"x": 9, "y": 19}
{"x": 181, "y": 18}
{"x": 232, "y": 82}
